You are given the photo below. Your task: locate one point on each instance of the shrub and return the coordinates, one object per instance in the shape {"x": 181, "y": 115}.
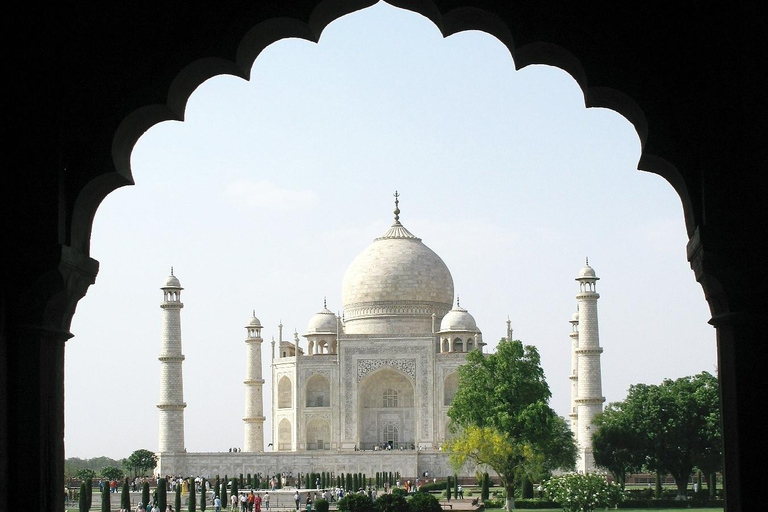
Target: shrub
{"x": 423, "y": 502}
{"x": 436, "y": 486}
{"x": 583, "y": 493}
{"x": 399, "y": 491}
{"x": 321, "y": 505}
{"x": 394, "y": 502}
{"x": 354, "y": 502}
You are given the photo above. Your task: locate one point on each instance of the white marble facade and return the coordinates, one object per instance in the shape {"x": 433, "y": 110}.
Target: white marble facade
{"x": 368, "y": 390}
{"x": 381, "y": 376}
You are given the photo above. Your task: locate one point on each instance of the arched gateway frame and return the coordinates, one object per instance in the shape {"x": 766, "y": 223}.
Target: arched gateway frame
{"x": 387, "y": 413}
{"x": 50, "y": 267}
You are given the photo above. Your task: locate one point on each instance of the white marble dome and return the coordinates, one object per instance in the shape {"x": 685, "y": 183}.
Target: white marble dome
{"x": 254, "y": 322}
{"x": 458, "y": 319}
{"x": 323, "y": 322}
{"x": 395, "y": 285}
{"x": 587, "y": 272}
{"x": 172, "y": 282}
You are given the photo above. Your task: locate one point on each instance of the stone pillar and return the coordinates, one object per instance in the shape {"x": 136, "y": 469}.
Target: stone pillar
{"x": 254, "y": 401}
{"x": 589, "y": 378}
{"x": 171, "y": 404}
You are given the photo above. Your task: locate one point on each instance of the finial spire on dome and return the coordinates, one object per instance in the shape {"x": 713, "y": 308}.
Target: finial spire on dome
{"x": 397, "y": 230}
{"x": 587, "y": 261}
{"x": 325, "y": 305}
{"x": 397, "y": 209}
{"x": 458, "y": 304}
{"x": 171, "y": 269}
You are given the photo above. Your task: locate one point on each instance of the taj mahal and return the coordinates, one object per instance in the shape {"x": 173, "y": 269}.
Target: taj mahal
{"x": 367, "y": 390}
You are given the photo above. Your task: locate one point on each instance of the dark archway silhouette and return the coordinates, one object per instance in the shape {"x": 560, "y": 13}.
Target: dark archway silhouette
{"x": 88, "y": 81}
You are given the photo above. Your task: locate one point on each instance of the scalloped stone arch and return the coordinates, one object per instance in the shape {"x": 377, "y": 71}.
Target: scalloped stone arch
{"x": 692, "y": 71}
{"x": 255, "y": 40}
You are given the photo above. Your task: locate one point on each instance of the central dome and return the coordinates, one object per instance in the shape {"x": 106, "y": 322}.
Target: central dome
{"x": 395, "y": 285}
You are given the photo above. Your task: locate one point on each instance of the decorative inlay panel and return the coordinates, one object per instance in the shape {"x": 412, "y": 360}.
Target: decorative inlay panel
{"x": 366, "y": 366}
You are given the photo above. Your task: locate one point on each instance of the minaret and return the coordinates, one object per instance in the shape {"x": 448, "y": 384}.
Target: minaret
{"x": 171, "y": 405}
{"x": 574, "y": 376}
{"x": 590, "y": 390}
{"x": 254, "y": 401}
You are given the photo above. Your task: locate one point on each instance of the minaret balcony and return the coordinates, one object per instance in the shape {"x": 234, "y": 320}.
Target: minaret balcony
{"x": 590, "y": 351}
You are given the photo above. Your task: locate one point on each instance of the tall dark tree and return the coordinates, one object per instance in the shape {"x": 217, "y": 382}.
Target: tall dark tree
{"x": 162, "y": 494}
{"x": 89, "y": 492}
{"x": 192, "y": 500}
{"x": 202, "y": 496}
{"x": 125, "y": 496}
{"x": 485, "y": 487}
{"x": 235, "y": 488}
{"x": 105, "y": 504}
{"x": 177, "y": 498}
{"x": 145, "y": 493}
{"x": 224, "y": 501}
{"x": 82, "y": 504}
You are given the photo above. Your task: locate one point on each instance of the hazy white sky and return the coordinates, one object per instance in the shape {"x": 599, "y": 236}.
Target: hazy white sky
{"x": 270, "y": 188}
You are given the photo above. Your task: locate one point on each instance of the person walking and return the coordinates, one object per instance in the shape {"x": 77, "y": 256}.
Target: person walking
{"x": 266, "y": 501}
{"x": 217, "y": 504}
{"x": 297, "y": 499}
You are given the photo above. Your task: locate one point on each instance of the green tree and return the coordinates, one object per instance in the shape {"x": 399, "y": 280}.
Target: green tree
{"x": 224, "y": 501}
{"x": 177, "y": 499}
{"x": 140, "y": 462}
{"x": 674, "y": 426}
{"x": 501, "y": 416}
{"x": 583, "y": 492}
{"x": 614, "y": 443}
{"x": 112, "y": 473}
{"x": 202, "y": 496}
{"x": 85, "y": 474}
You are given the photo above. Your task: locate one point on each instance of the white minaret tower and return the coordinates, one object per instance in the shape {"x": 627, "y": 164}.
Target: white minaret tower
{"x": 590, "y": 389}
{"x": 254, "y": 401}
{"x": 171, "y": 405}
{"x": 574, "y": 376}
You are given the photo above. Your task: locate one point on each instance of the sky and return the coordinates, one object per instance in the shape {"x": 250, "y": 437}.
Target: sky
{"x": 270, "y": 187}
